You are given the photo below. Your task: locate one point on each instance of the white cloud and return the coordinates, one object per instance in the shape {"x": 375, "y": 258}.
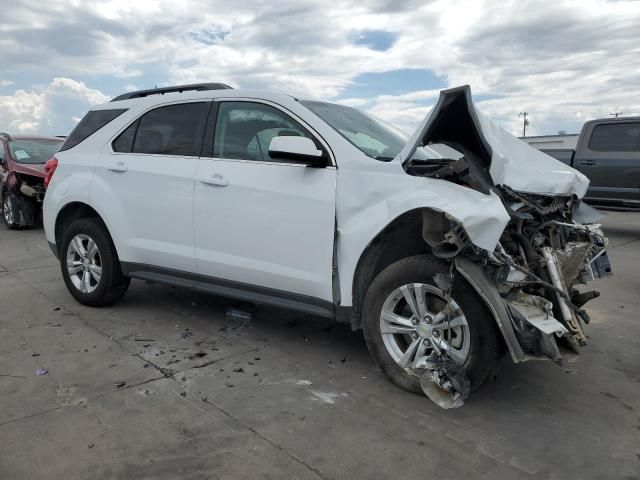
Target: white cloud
{"x": 53, "y": 110}
{"x": 562, "y": 61}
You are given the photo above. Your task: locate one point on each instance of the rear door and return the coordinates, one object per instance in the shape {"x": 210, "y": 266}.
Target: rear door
{"x": 146, "y": 183}
{"x": 260, "y": 221}
{"x": 609, "y": 155}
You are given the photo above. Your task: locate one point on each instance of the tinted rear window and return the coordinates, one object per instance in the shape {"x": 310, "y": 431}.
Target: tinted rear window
{"x": 169, "y": 130}
{"x": 616, "y": 137}
{"x": 90, "y": 124}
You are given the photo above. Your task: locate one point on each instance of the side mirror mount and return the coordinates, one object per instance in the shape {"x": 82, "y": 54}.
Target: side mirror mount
{"x": 297, "y": 149}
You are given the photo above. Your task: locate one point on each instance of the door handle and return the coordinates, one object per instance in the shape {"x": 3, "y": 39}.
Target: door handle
{"x": 215, "y": 179}
{"x": 587, "y": 162}
{"x": 118, "y": 167}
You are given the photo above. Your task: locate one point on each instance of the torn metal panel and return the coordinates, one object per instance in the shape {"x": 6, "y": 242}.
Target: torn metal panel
{"x": 445, "y": 383}
{"x": 487, "y": 290}
{"x": 509, "y": 160}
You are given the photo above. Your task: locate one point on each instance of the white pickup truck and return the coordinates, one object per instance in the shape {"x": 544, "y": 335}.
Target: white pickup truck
{"x": 449, "y": 249}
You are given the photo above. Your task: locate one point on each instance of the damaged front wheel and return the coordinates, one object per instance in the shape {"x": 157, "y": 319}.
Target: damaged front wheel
{"x": 9, "y": 211}
{"x": 415, "y": 330}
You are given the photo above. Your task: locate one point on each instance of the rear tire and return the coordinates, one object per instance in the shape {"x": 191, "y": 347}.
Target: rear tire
{"x": 483, "y": 349}
{"x": 90, "y": 265}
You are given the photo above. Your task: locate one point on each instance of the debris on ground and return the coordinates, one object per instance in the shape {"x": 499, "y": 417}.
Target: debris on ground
{"x": 41, "y": 371}
{"x": 186, "y": 333}
{"x": 183, "y": 394}
{"x": 35, "y": 354}
{"x": 237, "y": 315}
{"x": 120, "y": 384}
{"x": 199, "y": 354}
{"x": 238, "y": 370}
{"x": 445, "y": 383}
{"x": 91, "y": 445}
{"x": 138, "y": 339}
{"x": 304, "y": 383}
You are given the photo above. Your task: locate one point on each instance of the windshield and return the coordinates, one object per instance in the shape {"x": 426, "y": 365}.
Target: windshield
{"x": 366, "y": 133}
{"x": 372, "y": 136}
{"x": 33, "y": 151}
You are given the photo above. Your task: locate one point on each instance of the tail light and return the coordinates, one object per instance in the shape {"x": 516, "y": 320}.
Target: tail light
{"x": 49, "y": 169}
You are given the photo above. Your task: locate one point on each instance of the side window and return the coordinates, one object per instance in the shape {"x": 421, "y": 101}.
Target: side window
{"x": 615, "y": 137}
{"x": 124, "y": 142}
{"x": 244, "y": 130}
{"x": 170, "y": 130}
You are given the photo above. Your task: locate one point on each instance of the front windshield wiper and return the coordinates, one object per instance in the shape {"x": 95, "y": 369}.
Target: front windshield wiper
{"x": 384, "y": 159}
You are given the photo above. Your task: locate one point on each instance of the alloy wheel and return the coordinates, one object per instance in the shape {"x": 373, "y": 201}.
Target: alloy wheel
{"x": 84, "y": 263}
{"x": 7, "y": 209}
{"x": 415, "y": 321}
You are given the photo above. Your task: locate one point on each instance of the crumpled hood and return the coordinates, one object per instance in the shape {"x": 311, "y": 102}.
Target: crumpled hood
{"x": 35, "y": 170}
{"x": 510, "y": 161}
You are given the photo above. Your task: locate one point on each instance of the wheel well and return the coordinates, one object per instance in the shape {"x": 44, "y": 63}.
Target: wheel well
{"x": 402, "y": 238}
{"x": 71, "y": 212}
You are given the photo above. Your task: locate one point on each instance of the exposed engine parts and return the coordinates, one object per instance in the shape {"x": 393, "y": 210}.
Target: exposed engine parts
{"x": 544, "y": 253}
{"x": 22, "y": 198}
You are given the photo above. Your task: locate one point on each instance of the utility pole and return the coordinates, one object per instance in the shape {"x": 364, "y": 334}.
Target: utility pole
{"x": 525, "y": 122}
{"x": 616, "y": 114}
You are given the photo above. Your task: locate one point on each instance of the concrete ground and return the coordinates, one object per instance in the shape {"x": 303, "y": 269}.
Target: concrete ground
{"x": 163, "y": 386}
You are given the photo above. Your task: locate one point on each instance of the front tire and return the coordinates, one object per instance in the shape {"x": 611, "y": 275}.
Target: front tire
{"x": 396, "y": 318}
{"x": 90, "y": 265}
{"x": 9, "y": 211}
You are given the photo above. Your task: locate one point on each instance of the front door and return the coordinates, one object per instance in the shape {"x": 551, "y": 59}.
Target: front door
{"x": 262, "y": 221}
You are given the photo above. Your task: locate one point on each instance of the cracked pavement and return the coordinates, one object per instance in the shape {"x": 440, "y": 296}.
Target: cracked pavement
{"x": 162, "y": 385}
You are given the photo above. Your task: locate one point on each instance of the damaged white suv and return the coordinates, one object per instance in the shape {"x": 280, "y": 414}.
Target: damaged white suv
{"x": 449, "y": 248}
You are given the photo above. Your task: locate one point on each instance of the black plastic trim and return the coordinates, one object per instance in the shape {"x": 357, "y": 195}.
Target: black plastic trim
{"x": 210, "y": 130}
{"x": 230, "y": 289}
{"x": 54, "y": 249}
{"x": 198, "y": 87}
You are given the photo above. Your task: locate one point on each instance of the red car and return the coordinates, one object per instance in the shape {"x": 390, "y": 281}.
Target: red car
{"x": 22, "y": 173}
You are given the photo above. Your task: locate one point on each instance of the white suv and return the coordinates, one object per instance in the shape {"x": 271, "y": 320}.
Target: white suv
{"x": 448, "y": 248}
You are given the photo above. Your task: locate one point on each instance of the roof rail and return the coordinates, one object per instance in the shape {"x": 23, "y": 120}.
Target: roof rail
{"x": 177, "y": 89}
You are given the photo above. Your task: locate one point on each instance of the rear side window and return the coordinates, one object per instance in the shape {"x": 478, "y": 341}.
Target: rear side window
{"x": 616, "y": 137}
{"x": 169, "y": 130}
{"x": 90, "y": 124}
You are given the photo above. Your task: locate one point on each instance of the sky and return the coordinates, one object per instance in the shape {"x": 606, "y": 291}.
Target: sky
{"x": 563, "y": 62}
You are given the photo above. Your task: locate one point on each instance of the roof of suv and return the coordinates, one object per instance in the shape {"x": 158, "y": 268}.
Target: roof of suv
{"x": 187, "y": 92}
